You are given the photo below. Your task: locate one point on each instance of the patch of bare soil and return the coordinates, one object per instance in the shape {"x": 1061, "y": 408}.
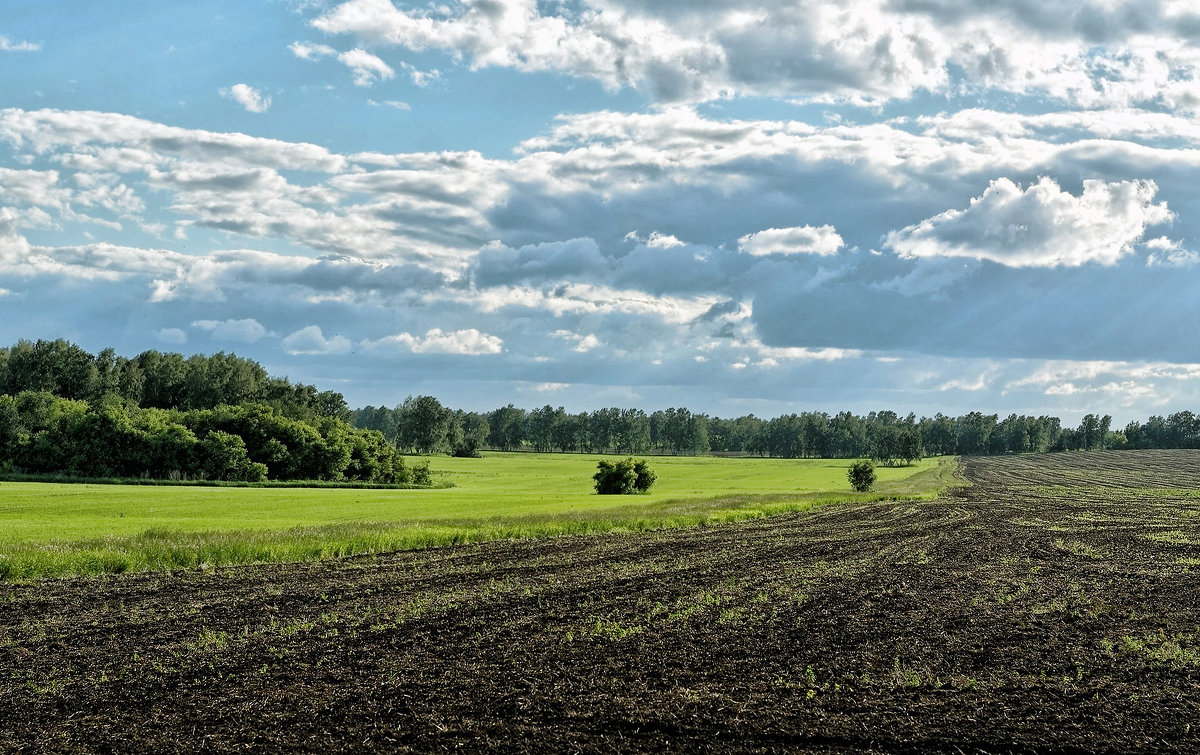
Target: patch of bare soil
{"x": 1053, "y": 606}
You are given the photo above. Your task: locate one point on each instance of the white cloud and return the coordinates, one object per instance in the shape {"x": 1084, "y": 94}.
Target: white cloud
{"x": 587, "y": 343}
{"x": 7, "y": 45}
{"x": 773, "y": 356}
{"x": 1056, "y": 374}
{"x": 1170, "y": 253}
{"x": 246, "y": 331}
{"x": 367, "y": 68}
{"x": 1041, "y": 225}
{"x": 1106, "y": 52}
{"x": 311, "y": 340}
{"x": 436, "y": 341}
{"x": 171, "y": 335}
{"x": 583, "y": 343}
{"x": 965, "y": 384}
{"x": 138, "y": 144}
{"x": 396, "y": 104}
{"x": 674, "y": 56}
{"x": 1123, "y": 393}
{"x": 823, "y": 240}
{"x": 307, "y": 51}
{"x": 583, "y": 299}
{"x": 423, "y": 78}
{"x": 403, "y": 233}
{"x": 1062, "y": 389}
{"x": 248, "y": 97}
{"x": 662, "y": 241}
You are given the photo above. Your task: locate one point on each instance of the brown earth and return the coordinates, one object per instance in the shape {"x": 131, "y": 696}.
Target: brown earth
{"x": 1053, "y": 606}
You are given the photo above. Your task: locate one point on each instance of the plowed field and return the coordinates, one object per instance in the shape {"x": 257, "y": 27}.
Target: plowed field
{"x": 1052, "y": 606}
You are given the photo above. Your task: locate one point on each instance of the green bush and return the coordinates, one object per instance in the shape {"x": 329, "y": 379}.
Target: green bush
{"x": 624, "y": 477}
{"x": 224, "y": 458}
{"x": 421, "y": 475}
{"x": 861, "y": 475}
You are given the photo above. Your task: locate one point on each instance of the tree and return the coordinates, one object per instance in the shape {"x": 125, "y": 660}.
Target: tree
{"x": 680, "y": 431}
{"x": 861, "y": 475}
{"x": 974, "y": 431}
{"x": 506, "y": 428}
{"x": 10, "y": 426}
{"x": 910, "y": 448}
{"x": 938, "y": 434}
{"x": 541, "y": 425}
{"x": 474, "y": 433}
{"x": 424, "y": 425}
{"x": 896, "y": 444}
{"x": 623, "y": 477}
{"x": 632, "y": 431}
{"x": 224, "y": 458}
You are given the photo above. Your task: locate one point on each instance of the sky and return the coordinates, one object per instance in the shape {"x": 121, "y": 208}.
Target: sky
{"x": 754, "y": 207}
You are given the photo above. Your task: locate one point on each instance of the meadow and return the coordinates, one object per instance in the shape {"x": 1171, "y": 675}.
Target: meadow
{"x": 56, "y": 529}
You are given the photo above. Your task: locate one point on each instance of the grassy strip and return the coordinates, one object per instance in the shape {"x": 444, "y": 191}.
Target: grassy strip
{"x": 166, "y": 549}
{"x": 156, "y": 482}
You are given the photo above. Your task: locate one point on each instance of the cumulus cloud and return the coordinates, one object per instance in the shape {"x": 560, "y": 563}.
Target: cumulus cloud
{"x": 1040, "y": 225}
{"x": 470, "y": 342}
{"x": 590, "y": 173}
{"x": 367, "y": 68}
{"x": 799, "y": 240}
{"x": 245, "y": 331}
{"x": 1092, "y": 54}
{"x": 662, "y": 241}
{"x": 360, "y": 237}
{"x": 607, "y": 45}
{"x": 248, "y": 97}
{"x": 311, "y": 340}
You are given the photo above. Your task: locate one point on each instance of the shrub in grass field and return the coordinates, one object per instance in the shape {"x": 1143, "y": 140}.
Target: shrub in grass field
{"x": 624, "y": 477}
{"x": 861, "y": 475}
{"x": 421, "y": 475}
{"x": 645, "y": 476}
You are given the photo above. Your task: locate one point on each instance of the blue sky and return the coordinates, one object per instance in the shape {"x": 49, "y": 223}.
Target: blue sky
{"x": 917, "y": 205}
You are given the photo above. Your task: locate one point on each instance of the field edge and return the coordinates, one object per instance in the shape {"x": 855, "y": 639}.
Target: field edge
{"x": 160, "y": 549}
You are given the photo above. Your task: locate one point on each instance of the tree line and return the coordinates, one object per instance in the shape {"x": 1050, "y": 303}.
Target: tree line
{"x": 423, "y": 425}
{"x": 220, "y": 416}
{"x": 156, "y": 380}
{"x": 163, "y": 416}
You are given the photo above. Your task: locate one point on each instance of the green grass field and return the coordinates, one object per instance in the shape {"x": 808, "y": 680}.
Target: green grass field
{"x": 51, "y": 529}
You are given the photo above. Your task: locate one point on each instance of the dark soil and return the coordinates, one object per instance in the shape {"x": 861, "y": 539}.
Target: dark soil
{"x": 1053, "y": 606}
